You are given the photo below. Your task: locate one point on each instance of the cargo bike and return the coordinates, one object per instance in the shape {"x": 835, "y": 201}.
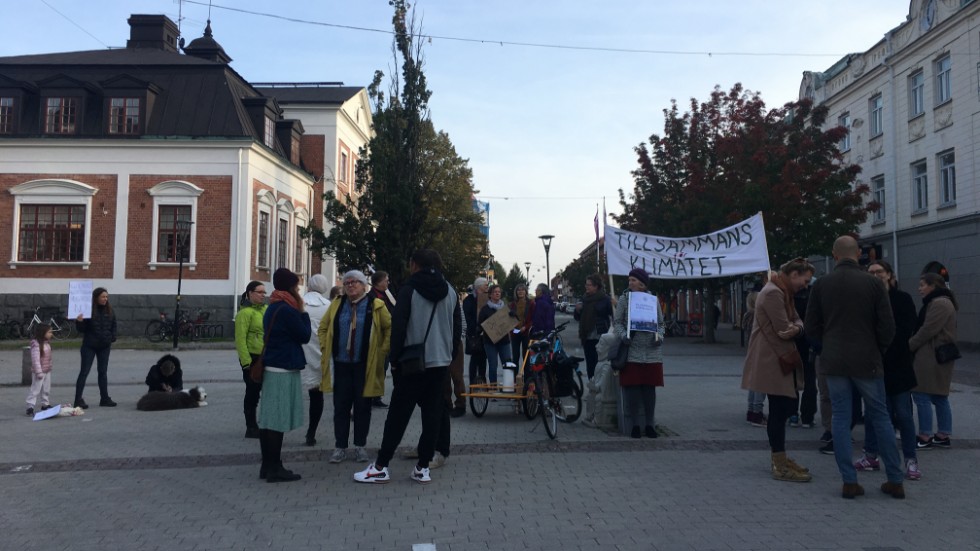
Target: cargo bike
{"x": 548, "y": 384}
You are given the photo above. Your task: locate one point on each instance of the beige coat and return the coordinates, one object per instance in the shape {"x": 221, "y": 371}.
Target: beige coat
{"x": 761, "y": 371}
{"x": 938, "y": 328}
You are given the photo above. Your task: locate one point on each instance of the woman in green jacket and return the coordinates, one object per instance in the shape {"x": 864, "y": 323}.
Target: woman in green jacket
{"x": 249, "y": 337}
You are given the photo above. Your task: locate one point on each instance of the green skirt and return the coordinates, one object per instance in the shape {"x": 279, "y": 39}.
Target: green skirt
{"x": 281, "y": 406}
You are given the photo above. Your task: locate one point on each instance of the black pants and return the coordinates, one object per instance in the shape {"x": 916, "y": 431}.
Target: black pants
{"x": 252, "y": 392}
{"x": 478, "y": 366}
{"x": 348, "y": 393}
{"x": 808, "y": 400}
{"x": 316, "y": 411}
{"x": 591, "y": 356}
{"x": 518, "y": 347}
{"x": 781, "y": 408}
{"x": 425, "y": 391}
{"x": 89, "y": 355}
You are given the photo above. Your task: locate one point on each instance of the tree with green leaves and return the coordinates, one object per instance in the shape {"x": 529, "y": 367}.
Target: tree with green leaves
{"x": 412, "y": 189}
{"x": 515, "y": 277}
{"x": 730, "y": 157}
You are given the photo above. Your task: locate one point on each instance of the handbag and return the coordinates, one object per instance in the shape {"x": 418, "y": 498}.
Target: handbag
{"x": 412, "y": 359}
{"x": 257, "y": 368}
{"x": 790, "y": 362}
{"x": 948, "y": 352}
{"x": 617, "y": 361}
{"x": 474, "y": 344}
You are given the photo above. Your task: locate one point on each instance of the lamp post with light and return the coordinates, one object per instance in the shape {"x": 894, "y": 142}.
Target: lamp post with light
{"x": 546, "y": 241}
{"x": 527, "y": 272}
{"x": 183, "y": 233}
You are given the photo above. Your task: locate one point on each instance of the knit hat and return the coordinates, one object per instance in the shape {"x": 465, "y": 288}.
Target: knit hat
{"x": 356, "y": 275}
{"x": 284, "y": 280}
{"x": 319, "y": 283}
{"x": 641, "y": 274}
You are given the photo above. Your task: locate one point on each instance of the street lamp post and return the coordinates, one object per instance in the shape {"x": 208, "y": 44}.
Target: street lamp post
{"x": 527, "y": 272}
{"x": 546, "y": 241}
{"x": 181, "y": 236}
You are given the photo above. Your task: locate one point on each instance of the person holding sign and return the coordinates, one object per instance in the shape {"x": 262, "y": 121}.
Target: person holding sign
{"x": 99, "y": 332}
{"x": 773, "y": 365}
{"x": 644, "y": 370}
{"x": 499, "y": 348}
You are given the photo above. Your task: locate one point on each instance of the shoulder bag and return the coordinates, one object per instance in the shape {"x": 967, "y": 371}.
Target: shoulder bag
{"x": 790, "y": 361}
{"x": 617, "y": 360}
{"x": 948, "y": 352}
{"x": 257, "y": 369}
{"x": 412, "y": 359}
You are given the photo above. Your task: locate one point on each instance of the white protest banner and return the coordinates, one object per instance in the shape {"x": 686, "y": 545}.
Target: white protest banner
{"x": 738, "y": 249}
{"x": 643, "y": 312}
{"x": 79, "y": 299}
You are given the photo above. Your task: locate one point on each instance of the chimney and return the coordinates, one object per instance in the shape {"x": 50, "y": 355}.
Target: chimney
{"x": 156, "y": 32}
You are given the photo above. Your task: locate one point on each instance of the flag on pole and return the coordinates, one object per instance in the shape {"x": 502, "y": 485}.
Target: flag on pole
{"x": 597, "y": 223}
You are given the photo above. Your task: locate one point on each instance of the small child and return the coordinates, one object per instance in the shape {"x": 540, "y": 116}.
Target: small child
{"x": 165, "y": 375}
{"x": 40, "y": 368}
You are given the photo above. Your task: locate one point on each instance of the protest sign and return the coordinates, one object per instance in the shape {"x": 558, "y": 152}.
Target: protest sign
{"x": 498, "y": 325}
{"x": 79, "y": 299}
{"x": 643, "y": 312}
{"x": 735, "y": 250}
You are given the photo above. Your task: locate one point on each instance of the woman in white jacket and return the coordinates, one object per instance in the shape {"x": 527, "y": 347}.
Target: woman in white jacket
{"x": 316, "y": 305}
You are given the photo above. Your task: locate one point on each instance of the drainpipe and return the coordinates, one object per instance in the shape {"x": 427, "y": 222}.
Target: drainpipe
{"x": 894, "y": 201}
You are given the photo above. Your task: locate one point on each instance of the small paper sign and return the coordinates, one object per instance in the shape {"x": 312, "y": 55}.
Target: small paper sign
{"x": 498, "y": 325}
{"x": 643, "y": 312}
{"x": 79, "y": 299}
{"x": 52, "y": 411}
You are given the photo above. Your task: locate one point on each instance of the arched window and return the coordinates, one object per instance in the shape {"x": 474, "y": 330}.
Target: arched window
{"x": 174, "y": 224}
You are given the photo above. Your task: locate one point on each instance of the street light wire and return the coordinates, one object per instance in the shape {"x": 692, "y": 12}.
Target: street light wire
{"x": 70, "y": 20}
{"x": 430, "y": 37}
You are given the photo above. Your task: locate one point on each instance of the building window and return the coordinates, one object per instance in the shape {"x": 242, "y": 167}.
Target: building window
{"x": 917, "y": 100}
{"x": 263, "y": 244}
{"x": 298, "y": 241}
{"x": 61, "y": 115}
{"x": 343, "y": 167}
{"x": 124, "y": 116}
{"x": 944, "y": 92}
{"x": 878, "y": 194}
{"x": 920, "y": 188}
{"x": 947, "y": 178}
{"x": 173, "y": 233}
{"x": 51, "y": 233}
{"x": 6, "y": 115}
{"x": 875, "y": 108}
{"x": 270, "y": 133}
{"x": 845, "y": 121}
{"x": 283, "y": 242}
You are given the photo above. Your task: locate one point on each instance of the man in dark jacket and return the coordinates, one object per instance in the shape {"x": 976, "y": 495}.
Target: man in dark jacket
{"x": 849, "y": 313}
{"x": 165, "y": 375}
{"x": 427, "y": 312}
{"x": 472, "y": 305}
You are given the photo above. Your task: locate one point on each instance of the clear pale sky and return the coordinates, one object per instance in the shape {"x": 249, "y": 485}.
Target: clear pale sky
{"x": 548, "y": 131}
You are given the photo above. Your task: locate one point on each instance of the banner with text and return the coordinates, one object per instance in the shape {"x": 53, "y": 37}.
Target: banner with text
{"x": 738, "y": 249}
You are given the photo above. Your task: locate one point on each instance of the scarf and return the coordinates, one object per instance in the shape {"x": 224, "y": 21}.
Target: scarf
{"x": 936, "y": 293}
{"x": 495, "y": 305}
{"x": 353, "y": 325}
{"x": 520, "y": 308}
{"x": 283, "y": 296}
{"x": 779, "y": 281}
{"x": 587, "y": 318}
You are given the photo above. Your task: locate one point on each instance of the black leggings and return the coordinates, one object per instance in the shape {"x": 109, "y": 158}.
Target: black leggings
{"x": 316, "y": 411}
{"x": 253, "y": 391}
{"x": 781, "y": 408}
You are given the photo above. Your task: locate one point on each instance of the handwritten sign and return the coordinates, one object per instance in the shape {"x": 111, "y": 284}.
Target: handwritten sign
{"x": 738, "y": 249}
{"x": 499, "y": 325}
{"x": 643, "y": 312}
{"x": 79, "y": 299}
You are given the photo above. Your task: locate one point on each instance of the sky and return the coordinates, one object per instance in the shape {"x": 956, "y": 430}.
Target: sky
{"x": 549, "y": 131}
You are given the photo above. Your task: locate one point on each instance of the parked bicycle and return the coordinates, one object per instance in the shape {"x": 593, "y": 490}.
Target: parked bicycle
{"x": 10, "y": 328}
{"x": 550, "y": 376}
{"x": 62, "y": 327}
{"x": 163, "y": 328}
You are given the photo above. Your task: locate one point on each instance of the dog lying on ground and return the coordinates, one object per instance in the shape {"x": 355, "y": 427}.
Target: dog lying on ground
{"x": 160, "y": 401}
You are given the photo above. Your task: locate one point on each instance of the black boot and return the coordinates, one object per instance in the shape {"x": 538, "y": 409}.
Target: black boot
{"x": 276, "y": 471}
{"x": 264, "y": 445}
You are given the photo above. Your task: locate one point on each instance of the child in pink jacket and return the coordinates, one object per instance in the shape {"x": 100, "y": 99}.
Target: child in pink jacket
{"x": 41, "y": 368}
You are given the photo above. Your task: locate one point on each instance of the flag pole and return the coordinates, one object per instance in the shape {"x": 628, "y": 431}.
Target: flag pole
{"x": 612, "y": 291}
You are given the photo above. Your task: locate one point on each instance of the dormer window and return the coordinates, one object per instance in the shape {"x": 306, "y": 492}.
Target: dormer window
{"x": 6, "y": 115}
{"x": 124, "y": 116}
{"x": 61, "y": 115}
{"x": 269, "y": 138}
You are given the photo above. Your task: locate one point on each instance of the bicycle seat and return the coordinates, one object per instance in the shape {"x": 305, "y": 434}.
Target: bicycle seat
{"x": 539, "y": 334}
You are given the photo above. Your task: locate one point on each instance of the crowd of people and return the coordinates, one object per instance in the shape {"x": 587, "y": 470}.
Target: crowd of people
{"x": 851, "y": 340}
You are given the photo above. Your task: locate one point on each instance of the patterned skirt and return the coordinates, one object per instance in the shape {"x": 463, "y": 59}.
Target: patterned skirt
{"x": 281, "y": 406}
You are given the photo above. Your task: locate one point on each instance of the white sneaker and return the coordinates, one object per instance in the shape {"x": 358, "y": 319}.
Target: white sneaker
{"x": 338, "y": 455}
{"x": 418, "y": 475}
{"x": 361, "y": 455}
{"x": 370, "y": 475}
{"x": 438, "y": 460}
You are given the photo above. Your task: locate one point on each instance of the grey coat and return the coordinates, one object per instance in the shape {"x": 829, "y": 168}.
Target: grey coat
{"x": 938, "y": 328}
{"x": 850, "y": 315}
{"x": 644, "y": 347}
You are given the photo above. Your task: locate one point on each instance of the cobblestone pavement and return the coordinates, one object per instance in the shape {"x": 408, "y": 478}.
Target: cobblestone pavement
{"x": 117, "y": 478}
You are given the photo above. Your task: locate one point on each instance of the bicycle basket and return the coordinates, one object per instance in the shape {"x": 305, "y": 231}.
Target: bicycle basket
{"x": 564, "y": 376}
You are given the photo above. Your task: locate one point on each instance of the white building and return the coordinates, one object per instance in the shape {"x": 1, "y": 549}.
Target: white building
{"x": 912, "y": 105}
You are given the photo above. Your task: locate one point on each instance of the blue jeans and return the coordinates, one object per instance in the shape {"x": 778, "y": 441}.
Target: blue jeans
{"x": 875, "y": 414}
{"x": 944, "y": 415}
{"x": 756, "y": 401}
{"x": 900, "y": 409}
{"x": 501, "y": 350}
{"x": 89, "y": 355}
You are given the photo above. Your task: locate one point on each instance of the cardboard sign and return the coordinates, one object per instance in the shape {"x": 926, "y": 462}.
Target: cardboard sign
{"x": 498, "y": 325}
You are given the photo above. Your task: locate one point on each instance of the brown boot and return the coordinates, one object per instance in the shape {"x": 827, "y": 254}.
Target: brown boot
{"x": 796, "y": 466}
{"x": 781, "y": 470}
{"x": 851, "y": 491}
{"x": 894, "y": 489}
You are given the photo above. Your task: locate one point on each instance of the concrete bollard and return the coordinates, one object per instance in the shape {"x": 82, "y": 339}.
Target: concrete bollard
{"x": 26, "y": 367}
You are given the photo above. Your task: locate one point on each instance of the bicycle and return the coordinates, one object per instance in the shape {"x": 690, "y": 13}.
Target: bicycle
{"x": 61, "y": 327}
{"x": 674, "y": 328}
{"x": 10, "y": 328}
{"x": 553, "y": 375}
{"x": 162, "y": 329}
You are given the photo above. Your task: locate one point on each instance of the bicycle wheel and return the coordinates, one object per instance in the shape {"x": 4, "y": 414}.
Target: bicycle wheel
{"x": 549, "y": 416}
{"x": 572, "y": 407}
{"x": 155, "y": 331}
{"x": 478, "y": 405}
{"x": 530, "y": 401}
{"x": 59, "y": 331}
